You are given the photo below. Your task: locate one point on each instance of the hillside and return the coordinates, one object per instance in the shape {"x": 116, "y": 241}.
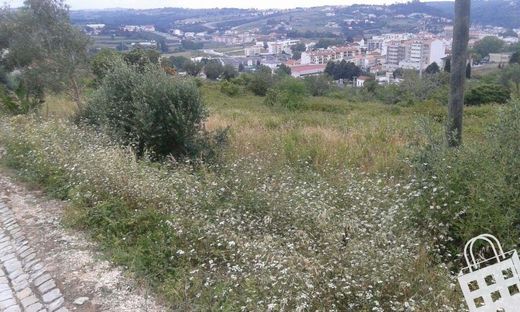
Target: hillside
{"x": 504, "y": 13}
{"x": 408, "y": 17}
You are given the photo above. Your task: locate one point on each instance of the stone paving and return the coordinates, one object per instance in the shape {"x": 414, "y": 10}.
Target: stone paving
{"x": 25, "y": 285}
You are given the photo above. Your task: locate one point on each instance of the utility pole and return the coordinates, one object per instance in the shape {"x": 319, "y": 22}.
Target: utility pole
{"x": 458, "y": 72}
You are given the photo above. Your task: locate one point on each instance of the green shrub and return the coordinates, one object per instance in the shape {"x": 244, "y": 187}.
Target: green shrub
{"x": 229, "y": 88}
{"x": 473, "y": 189}
{"x": 153, "y": 112}
{"x": 289, "y": 93}
{"x": 486, "y": 94}
{"x": 260, "y": 81}
{"x": 318, "y": 85}
{"x": 103, "y": 62}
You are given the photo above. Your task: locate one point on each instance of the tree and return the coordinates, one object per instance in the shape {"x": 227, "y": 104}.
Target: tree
{"x": 398, "y": 73}
{"x": 283, "y": 70}
{"x": 141, "y": 57}
{"x": 329, "y": 69}
{"x": 50, "y": 53}
{"x": 325, "y": 43}
{"x": 317, "y": 85}
{"x": 179, "y": 62}
{"x": 342, "y": 70}
{"x": 489, "y": 44}
{"x": 191, "y": 45}
{"x": 447, "y": 65}
{"x": 193, "y": 68}
{"x": 150, "y": 110}
{"x": 163, "y": 46}
{"x": 103, "y": 62}
{"x": 213, "y": 69}
{"x": 433, "y": 68}
{"x": 468, "y": 71}
{"x": 261, "y": 80}
{"x": 459, "y": 59}
{"x": 510, "y": 77}
{"x": 297, "y": 50}
{"x": 229, "y": 72}
{"x": 515, "y": 58}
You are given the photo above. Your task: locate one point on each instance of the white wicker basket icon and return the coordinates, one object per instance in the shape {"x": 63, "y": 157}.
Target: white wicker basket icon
{"x": 491, "y": 285}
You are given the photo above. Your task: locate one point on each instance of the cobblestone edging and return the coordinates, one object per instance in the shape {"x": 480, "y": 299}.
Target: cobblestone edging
{"x": 25, "y": 285}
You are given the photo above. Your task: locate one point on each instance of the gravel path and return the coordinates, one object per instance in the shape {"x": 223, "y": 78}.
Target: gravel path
{"x": 45, "y": 267}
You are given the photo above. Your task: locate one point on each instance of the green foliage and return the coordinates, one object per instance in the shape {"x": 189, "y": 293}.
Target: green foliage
{"x": 260, "y": 81}
{"x": 213, "y": 69}
{"x": 515, "y": 58}
{"x": 179, "y": 62}
{"x": 325, "y": 43}
{"x": 489, "y": 44}
{"x": 229, "y": 72}
{"x": 150, "y": 110}
{"x": 45, "y": 47}
{"x": 229, "y": 88}
{"x": 141, "y": 58}
{"x": 433, "y": 68}
{"x": 342, "y": 70}
{"x": 193, "y": 68}
{"x": 191, "y": 45}
{"x": 473, "y": 189}
{"x": 486, "y": 94}
{"x": 103, "y": 62}
{"x": 510, "y": 78}
{"x": 289, "y": 93}
{"x": 447, "y": 65}
{"x": 318, "y": 85}
{"x": 283, "y": 70}
{"x": 297, "y": 50}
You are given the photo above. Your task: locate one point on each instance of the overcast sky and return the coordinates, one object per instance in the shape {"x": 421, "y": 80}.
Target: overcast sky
{"x": 261, "y": 4}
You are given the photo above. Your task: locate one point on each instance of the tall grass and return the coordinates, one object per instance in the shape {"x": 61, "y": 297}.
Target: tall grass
{"x": 309, "y": 209}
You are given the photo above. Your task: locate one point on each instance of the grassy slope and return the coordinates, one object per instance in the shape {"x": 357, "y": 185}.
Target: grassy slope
{"x": 370, "y": 136}
{"x": 266, "y": 226}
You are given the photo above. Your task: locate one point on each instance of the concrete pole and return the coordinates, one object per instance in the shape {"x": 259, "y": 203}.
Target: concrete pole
{"x": 458, "y": 71}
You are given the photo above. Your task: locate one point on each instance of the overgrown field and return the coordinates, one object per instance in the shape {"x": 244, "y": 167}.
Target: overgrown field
{"x": 334, "y": 206}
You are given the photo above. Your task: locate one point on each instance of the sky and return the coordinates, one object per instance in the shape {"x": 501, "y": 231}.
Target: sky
{"x": 260, "y": 4}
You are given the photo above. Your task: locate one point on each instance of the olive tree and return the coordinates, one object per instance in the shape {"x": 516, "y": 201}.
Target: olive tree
{"x": 45, "y": 47}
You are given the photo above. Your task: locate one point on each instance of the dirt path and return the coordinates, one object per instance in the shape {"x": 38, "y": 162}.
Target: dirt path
{"x": 33, "y": 243}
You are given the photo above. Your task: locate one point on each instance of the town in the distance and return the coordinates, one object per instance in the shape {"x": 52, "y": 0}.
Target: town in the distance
{"x": 377, "y": 39}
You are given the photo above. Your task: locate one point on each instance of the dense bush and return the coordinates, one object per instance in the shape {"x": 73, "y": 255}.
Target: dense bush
{"x": 150, "y": 110}
{"x": 318, "y": 85}
{"x": 260, "y": 81}
{"x": 229, "y": 88}
{"x": 486, "y": 94}
{"x": 288, "y": 92}
{"x": 213, "y": 69}
{"x": 473, "y": 189}
{"x": 229, "y": 72}
{"x": 103, "y": 62}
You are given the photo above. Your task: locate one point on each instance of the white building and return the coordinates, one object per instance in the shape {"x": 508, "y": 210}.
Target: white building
{"x": 417, "y": 54}
{"x": 253, "y": 50}
{"x": 334, "y": 54}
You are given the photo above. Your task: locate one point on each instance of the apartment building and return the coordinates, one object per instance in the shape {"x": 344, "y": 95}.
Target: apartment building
{"x": 331, "y": 54}
{"x": 415, "y": 54}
